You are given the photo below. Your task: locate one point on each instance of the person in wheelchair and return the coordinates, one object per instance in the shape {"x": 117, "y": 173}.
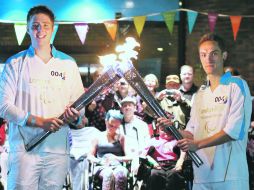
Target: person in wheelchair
{"x": 108, "y": 154}
{"x": 166, "y": 161}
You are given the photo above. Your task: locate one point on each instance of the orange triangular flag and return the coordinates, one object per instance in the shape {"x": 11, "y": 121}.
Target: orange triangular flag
{"x": 139, "y": 22}
{"x": 111, "y": 27}
{"x": 235, "y": 22}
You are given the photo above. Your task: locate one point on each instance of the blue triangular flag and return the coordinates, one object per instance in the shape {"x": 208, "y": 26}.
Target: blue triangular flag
{"x": 54, "y": 33}
{"x": 192, "y": 16}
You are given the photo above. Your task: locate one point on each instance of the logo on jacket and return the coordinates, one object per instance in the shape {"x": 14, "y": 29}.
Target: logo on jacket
{"x": 58, "y": 74}
{"x": 221, "y": 99}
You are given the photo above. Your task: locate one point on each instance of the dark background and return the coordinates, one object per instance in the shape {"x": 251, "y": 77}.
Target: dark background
{"x": 179, "y": 48}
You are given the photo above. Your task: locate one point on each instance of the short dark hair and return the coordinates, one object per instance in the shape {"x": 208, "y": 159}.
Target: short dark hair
{"x": 40, "y": 9}
{"x": 116, "y": 114}
{"x": 213, "y": 37}
{"x": 2, "y": 121}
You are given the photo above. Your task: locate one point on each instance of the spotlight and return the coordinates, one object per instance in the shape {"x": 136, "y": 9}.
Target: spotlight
{"x": 160, "y": 49}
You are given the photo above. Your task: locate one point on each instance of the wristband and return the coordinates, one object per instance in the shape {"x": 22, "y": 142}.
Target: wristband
{"x": 24, "y": 122}
{"x": 33, "y": 121}
{"x": 77, "y": 122}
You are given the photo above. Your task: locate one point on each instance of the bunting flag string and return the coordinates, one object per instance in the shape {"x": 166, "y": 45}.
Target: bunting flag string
{"x": 127, "y": 18}
{"x": 139, "y": 22}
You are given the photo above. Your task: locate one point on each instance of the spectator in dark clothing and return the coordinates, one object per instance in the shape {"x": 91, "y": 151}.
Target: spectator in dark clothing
{"x": 96, "y": 110}
{"x": 187, "y": 89}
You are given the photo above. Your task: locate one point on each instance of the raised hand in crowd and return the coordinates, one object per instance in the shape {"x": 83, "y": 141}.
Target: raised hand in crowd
{"x": 92, "y": 106}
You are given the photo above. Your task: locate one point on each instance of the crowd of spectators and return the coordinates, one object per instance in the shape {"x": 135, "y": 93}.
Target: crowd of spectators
{"x": 137, "y": 130}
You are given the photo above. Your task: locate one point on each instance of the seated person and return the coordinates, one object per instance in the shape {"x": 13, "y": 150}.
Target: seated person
{"x": 80, "y": 138}
{"x": 163, "y": 154}
{"x": 134, "y": 130}
{"x": 108, "y": 151}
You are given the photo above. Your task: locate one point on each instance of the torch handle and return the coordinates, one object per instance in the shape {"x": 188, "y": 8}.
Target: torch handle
{"x": 107, "y": 79}
{"x": 137, "y": 83}
{"x": 194, "y": 157}
{"x": 37, "y": 140}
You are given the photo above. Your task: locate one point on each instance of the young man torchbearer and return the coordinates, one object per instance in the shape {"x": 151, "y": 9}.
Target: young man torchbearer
{"x": 37, "y": 85}
{"x": 218, "y": 127}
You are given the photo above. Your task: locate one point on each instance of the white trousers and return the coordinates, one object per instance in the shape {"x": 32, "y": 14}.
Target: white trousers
{"x": 40, "y": 171}
{"x": 79, "y": 174}
{"x": 226, "y": 185}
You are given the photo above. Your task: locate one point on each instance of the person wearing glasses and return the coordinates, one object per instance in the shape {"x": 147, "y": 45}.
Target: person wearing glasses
{"x": 134, "y": 129}
{"x": 121, "y": 91}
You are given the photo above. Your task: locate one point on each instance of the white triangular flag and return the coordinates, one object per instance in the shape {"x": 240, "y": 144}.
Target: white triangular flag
{"x": 20, "y": 30}
{"x": 82, "y": 29}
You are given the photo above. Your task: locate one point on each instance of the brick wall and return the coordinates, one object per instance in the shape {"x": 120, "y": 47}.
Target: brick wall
{"x": 241, "y": 51}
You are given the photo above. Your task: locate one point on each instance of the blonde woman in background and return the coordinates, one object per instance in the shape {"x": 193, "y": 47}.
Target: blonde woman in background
{"x": 152, "y": 83}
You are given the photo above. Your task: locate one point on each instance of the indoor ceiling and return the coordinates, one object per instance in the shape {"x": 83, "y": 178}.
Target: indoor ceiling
{"x": 90, "y": 11}
{"x": 98, "y": 42}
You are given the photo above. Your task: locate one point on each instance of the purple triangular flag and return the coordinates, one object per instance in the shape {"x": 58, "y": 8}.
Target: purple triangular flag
{"x": 212, "y": 18}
